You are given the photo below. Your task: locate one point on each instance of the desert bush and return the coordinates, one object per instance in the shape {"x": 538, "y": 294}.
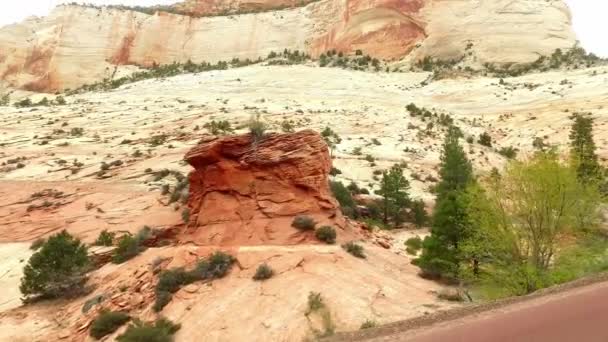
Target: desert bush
{"x": 315, "y": 302}
{"x": 77, "y": 131}
{"x": 186, "y": 215}
{"x": 303, "y": 222}
{"x": 368, "y": 324}
{"x": 326, "y": 234}
{"x": 257, "y": 128}
{"x": 354, "y": 249}
{"x": 130, "y": 246}
{"x": 170, "y": 281}
{"x": 508, "y": 152}
{"x": 263, "y": 272}
{"x": 413, "y": 245}
{"x": 335, "y": 171}
{"x": 219, "y": 127}
{"x": 107, "y": 322}
{"x": 485, "y": 139}
{"x": 105, "y": 238}
{"x": 57, "y": 269}
{"x": 162, "y": 330}
{"x": 287, "y": 126}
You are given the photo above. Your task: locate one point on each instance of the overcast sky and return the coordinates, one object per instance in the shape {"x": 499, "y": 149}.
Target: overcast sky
{"x": 588, "y": 15}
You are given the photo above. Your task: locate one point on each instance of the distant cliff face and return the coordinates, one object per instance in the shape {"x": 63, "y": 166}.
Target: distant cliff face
{"x": 78, "y": 45}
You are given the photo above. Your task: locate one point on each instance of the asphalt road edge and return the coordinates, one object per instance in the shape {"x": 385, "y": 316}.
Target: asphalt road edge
{"x": 448, "y": 315}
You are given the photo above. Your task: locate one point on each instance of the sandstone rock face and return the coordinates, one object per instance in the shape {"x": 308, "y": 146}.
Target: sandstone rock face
{"x": 243, "y": 193}
{"x": 78, "y": 45}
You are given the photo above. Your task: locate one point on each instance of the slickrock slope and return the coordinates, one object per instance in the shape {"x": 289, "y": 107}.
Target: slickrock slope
{"x": 77, "y": 45}
{"x": 244, "y": 193}
{"x": 59, "y": 185}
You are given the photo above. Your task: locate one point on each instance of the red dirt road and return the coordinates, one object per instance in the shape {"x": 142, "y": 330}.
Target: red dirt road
{"x": 577, "y": 315}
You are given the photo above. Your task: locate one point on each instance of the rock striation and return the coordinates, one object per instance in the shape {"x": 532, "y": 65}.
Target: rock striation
{"x": 76, "y": 45}
{"x": 243, "y": 193}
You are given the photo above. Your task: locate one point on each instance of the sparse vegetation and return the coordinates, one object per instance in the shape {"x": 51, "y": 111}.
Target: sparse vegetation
{"x": 303, "y": 222}
{"x": 105, "y": 238}
{"x": 219, "y": 127}
{"x": 485, "y": 139}
{"x": 315, "y": 302}
{"x": 413, "y": 245}
{"x": 263, "y": 272}
{"x": 130, "y": 246}
{"x": 354, "y": 249}
{"x": 162, "y": 330}
{"x": 326, "y": 234}
{"x": 257, "y": 128}
{"x": 368, "y": 324}
{"x": 107, "y": 322}
{"x": 169, "y": 281}
{"x": 508, "y": 152}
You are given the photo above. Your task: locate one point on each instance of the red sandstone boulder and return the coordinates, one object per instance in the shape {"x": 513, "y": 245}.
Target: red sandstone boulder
{"x": 243, "y": 193}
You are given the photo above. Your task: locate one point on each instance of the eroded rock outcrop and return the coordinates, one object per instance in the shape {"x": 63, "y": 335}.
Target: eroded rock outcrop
{"x": 243, "y": 193}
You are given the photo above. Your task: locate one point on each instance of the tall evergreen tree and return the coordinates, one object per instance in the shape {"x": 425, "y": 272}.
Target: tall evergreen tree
{"x": 582, "y": 149}
{"x": 393, "y": 189}
{"x": 440, "y": 254}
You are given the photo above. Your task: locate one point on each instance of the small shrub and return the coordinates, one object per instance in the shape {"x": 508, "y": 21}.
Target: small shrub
{"x": 105, "y": 238}
{"x": 303, "y": 222}
{"x": 186, "y": 215}
{"x": 107, "y": 322}
{"x": 77, "y": 131}
{"x": 368, "y": 324}
{"x": 315, "y": 302}
{"x": 161, "y": 331}
{"x": 170, "y": 281}
{"x": 257, "y": 128}
{"x": 219, "y": 127}
{"x": 130, "y": 246}
{"x": 326, "y": 234}
{"x": 508, "y": 152}
{"x": 485, "y": 139}
{"x": 413, "y": 245}
{"x": 335, "y": 171}
{"x": 162, "y": 299}
{"x": 287, "y": 127}
{"x": 263, "y": 272}
{"x": 57, "y": 268}
{"x": 354, "y": 249}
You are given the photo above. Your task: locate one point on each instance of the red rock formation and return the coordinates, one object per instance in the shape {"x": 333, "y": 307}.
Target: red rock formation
{"x": 386, "y": 29}
{"x": 242, "y": 193}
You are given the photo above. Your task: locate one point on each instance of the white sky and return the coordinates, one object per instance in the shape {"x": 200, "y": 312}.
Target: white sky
{"x": 588, "y": 15}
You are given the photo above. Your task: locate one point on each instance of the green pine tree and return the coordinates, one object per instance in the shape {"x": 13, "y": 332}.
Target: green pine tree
{"x": 582, "y": 149}
{"x": 395, "y": 198}
{"x": 440, "y": 254}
